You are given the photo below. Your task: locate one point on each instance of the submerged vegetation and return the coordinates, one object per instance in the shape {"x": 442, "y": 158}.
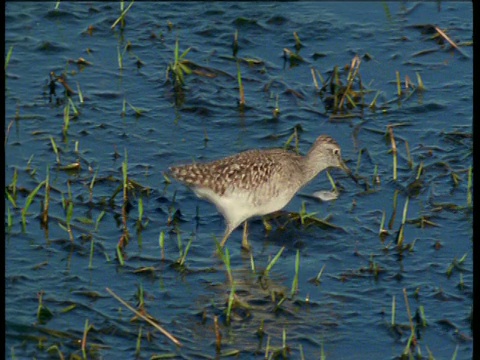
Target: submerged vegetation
{"x": 256, "y": 304}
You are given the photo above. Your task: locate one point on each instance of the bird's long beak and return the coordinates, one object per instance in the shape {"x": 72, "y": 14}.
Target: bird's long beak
{"x": 345, "y": 168}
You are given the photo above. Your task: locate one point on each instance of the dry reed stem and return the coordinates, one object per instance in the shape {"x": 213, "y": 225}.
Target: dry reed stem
{"x": 218, "y": 334}
{"x": 155, "y": 325}
{"x": 314, "y": 77}
{"x": 354, "y": 67}
{"x": 442, "y": 34}
{"x": 394, "y": 151}
{"x": 409, "y": 314}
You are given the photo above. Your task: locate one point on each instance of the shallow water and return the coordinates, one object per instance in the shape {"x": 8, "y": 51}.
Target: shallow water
{"x": 347, "y": 315}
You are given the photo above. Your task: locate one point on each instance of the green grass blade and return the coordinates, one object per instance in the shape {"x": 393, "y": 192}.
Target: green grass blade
{"x": 122, "y": 15}
{"x": 179, "y": 244}
{"x": 29, "y": 200}
{"x": 176, "y": 51}
{"x": 240, "y": 85}
{"x": 420, "y": 84}
{"x": 184, "y": 257}
{"x": 454, "y": 356}
{"x": 382, "y": 223}
{"x": 10, "y": 198}
{"x": 394, "y": 307}
{"x": 7, "y": 59}
{"x": 405, "y": 209}
{"x": 185, "y": 53}
{"x": 140, "y": 209}
{"x": 399, "y": 84}
{"x": 138, "y": 111}
{"x": 66, "y": 117}
{"x": 230, "y": 303}
{"x": 469, "y": 188}
{"x": 119, "y": 58}
{"x": 69, "y": 213}
{"x": 317, "y": 279}
{"x": 252, "y": 262}
{"x": 14, "y": 183}
{"x": 161, "y": 241}
{"x": 46, "y": 203}
{"x": 332, "y": 182}
{"x": 9, "y": 219}
{"x": 185, "y": 68}
{"x": 125, "y": 177}
{"x": 120, "y": 256}
{"x": 80, "y": 94}
{"x": 75, "y": 111}
{"x": 92, "y": 183}
{"x": 139, "y": 342}
{"x": 124, "y": 107}
{"x": 274, "y": 261}
{"x": 99, "y": 218}
{"x": 228, "y": 266}
{"x": 295, "y": 278}
{"x": 55, "y": 149}
{"x": 90, "y": 262}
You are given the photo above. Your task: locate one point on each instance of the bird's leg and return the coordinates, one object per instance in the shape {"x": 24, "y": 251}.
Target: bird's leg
{"x": 245, "y": 244}
{"x": 218, "y": 251}
{"x": 228, "y": 232}
{"x": 226, "y": 236}
{"x": 274, "y": 216}
{"x": 266, "y": 224}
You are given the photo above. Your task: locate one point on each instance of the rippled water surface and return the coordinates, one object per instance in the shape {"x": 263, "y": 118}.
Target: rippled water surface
{"x": 126, "y": 112}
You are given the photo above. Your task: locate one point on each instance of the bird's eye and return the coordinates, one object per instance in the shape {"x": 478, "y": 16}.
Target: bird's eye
{"x": 336, "y": 151}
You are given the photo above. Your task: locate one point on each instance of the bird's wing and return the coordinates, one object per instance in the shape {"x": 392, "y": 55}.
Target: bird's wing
{"x": 246, "y": 171}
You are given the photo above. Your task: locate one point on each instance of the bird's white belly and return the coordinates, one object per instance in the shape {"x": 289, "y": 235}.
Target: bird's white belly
{"x": 238, "y": 206}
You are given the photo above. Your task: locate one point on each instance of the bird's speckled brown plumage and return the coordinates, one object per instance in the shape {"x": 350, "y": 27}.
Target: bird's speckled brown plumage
{"x": 245, "y": 171}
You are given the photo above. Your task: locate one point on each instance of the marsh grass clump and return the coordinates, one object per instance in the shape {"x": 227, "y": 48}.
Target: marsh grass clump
{"x": 294, "y": 58}
{"x": 178, "y": 68}
{"x": 456, "y": 264}
{"x": 341, "y": 96}
{"x": 44, "y": 314}
{"x": 344, "y": 95}
{"x": 61, "y": 79}
{"x": 183, "y": 252}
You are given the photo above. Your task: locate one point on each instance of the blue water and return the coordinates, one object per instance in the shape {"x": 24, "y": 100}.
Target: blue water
{"x": 348, "y": 314}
